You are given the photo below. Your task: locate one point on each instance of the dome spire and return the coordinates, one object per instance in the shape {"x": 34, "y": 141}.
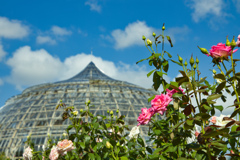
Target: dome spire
{"x": 90, "y": 72}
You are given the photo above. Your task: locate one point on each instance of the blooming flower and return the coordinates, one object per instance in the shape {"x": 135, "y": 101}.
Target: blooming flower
{"x": 171, "y": 92}
{"x": 134, "y": 132}
{"x": 99, "y": 140}
{"x": 27, "y": 155}
{"x": 54, "y": 153}
{"x": 219, "y": 120}
{"x": 238, "y": 41}
{"x": 221, "y": 51}
{"x": 213, "y": 119}
{"x": 64, "y": 146}
{"x": 145, "y": 116}
{"x": 160, "y": 103}
{"x": 194, "y": 134}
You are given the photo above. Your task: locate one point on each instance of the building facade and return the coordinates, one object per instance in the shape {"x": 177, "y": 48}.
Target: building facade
{"x": 33, "y": 112}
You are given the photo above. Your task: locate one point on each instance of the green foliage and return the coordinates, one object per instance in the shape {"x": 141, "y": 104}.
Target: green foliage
{"x": 173, "y": 137}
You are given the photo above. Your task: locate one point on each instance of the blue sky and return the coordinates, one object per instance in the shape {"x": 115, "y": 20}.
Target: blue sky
{"x": 46, "y": 41}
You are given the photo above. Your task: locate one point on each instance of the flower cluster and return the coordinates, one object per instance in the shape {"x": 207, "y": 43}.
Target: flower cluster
{"x": 27, "y": 155}
{"x": 62, "y": 148}
{"x": 159, "y": 105}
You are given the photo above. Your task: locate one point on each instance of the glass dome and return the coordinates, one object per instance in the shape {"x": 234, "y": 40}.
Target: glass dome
{"x": 33, "y": 112}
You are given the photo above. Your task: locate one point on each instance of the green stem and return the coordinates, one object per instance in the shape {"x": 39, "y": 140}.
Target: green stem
{"x": 233, "y": 85}
{"x": 147, "y": 46}
{"x": 162, "y": 44}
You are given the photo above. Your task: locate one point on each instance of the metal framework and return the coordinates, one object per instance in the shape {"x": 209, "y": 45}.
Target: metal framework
{"x": 33, "y": 112}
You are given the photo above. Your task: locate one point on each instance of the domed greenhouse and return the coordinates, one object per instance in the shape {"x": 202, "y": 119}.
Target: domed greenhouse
{"x": 33, "y": 112}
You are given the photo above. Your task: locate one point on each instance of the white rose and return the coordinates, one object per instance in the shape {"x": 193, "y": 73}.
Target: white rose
{"x": 221, "y": 122}
{"x": 27, "y": 155}
{"x": 134, "y": 132}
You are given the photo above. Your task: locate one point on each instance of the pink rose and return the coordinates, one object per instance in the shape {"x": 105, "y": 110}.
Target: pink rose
{"x": 54, "y": 153}
{"x": 64, "y": 146}
{"x": 196, "y": 133}
{"x": 221, "y": 51}
{"x": 214, "y": 119}
{"x": 171, "y": 92}
{"x": 145, "y": 116}
{"x": 238, "y": 41}
{"x": 27, "y": 155}
{"x": 160, "y": 103}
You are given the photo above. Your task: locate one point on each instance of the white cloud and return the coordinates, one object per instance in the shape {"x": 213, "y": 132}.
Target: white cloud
{"x": 94, "y": 6}
{"x": 131, "y": 35}
{"x": 133, "y": 32}
{"x": 237, "y": 5}
{"x": 12, "y": 29}
{"x": 2, "y": 52}
{"x": 204, "y": 8}
{"x": 45, "y": 39}
{"x": 30, "y": 67}
{"x": 56, "y": 30}
{"x": 53, "y": 35}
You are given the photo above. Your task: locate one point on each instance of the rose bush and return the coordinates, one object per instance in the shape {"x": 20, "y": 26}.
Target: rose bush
{"x": 181, "y": 120}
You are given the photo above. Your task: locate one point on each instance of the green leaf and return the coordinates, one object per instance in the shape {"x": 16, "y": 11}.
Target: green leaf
{"x": 91, "y": 156}
{"x": 157, "y": 55}
{"x": 142, "y": 60}
{"x": 151, "y": 98}
{"x": 235, "y": 113}
{"x": 177, "y": 95}
{"x": 149, "y": 74}
{"x": 220, "y": 108}
{"x": 206, "y": 107}
{"x": 220, "y": 76}
{"x": 177, "y": 125}
{"x": 87, "y": 139}
{"x": 219, "y": 145}
{"x": 181, "y": 158}
{"x": 169, "y": 40}
{"x": 161, "y": 73}
{"x": 180, "y": 80}
{"x": 165, "y": 66}
{"x": 171, "y": 149}
{"x": 220, "y": 86}
{"x": 203, "y": 116}
{"x": 141, "y": 142}
{"x": 190, "y": 122}
{"x": 149, "y": 150}
{"x": 202, "y": 80}
{"x": 157, "y": 131}
{"x": 169, "y": 55}
{"x": 177, "y": 62}
{"x": 123, "y": 158}
{"x": 213, "y": 96}
{"x": 157, "y": 80}
{"x": 229, "y": 71}
{"x": 82, "y": 145}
